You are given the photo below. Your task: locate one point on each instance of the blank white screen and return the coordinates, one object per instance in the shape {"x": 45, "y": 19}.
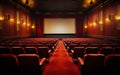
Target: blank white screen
{"x": 59, "y": 26}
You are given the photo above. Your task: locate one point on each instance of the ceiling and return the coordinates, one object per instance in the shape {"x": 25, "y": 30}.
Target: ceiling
{"x": 61, "y": 6}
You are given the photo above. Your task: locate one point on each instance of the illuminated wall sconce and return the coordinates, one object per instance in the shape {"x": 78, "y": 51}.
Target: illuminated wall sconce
{"x": 1, "y": 18}
{"x": 117, "y": 17}
{"x": 28, "y": 24}
{"x": 94, "y": 23}
{"x": 11, "y": 20}
{"x": 33, "y": 27}
{"x": 85, "y": 26}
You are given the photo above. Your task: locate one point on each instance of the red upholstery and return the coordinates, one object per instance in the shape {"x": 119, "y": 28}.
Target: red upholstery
{"x": 30, "y": 64}
{"x": 5, "y": 49}
{"x": 8, "y": 64}
{"x": 106, "y": 50}
{"x": 92, "y": 64}
{"x": 93, "y": 50}
{"x": 31, "y": 50}
{"x": 18, "y": 50}
{"x": 78, "y": 52}
{"x": 112, "y": 64}
{"x": 116, "y": 50}
{"x": 43, "y": 52}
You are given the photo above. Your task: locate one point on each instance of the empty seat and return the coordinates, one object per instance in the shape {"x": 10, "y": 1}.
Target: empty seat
{"x": 112, "y": 64}
{"x": 44, "y": 52}
{"x": 17, "y": 50}
{"x": 84, "y": 45}
{"x": 105, "y": 50}
{"x": 103, "y": 45}
{"x": 31, "y": 50}
{"x": 50, "y": 46}
{"x": 92, "y": 64}
{"x": 93, "y": 50}
{"x": 116, "y": 50}
{"x": 94, "y": 45}
{"x": 114, "y": 45}
{"x": 8, "y": 64}
{"x": 71, "y": 46}
{"x": 77, "y": 52}
{"x": 30, "y": 64}
{"x": 4, "y": 49}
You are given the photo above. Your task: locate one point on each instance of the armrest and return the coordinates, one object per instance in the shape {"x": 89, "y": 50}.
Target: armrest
{"x": 49, "y": 51}
{"x": 72, "y": 51}
{"x": 42, "y": 61}
{"x": 68, "y": 47}
{"x": 81, "y": 61}
{"x": 53, "y": 47}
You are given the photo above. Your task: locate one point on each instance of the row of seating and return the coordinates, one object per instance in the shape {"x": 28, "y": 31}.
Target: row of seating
{"x": 89, "y": 42}
{"x": 36, "y": 42}
{"x": 94, "y": 57}
{"x": 25, "y": 56}
{"x": 99, "y": 64}
{"x": 29, "y": 64}
{"x": 41, "y": 51}
{"x": 80, "y": 51}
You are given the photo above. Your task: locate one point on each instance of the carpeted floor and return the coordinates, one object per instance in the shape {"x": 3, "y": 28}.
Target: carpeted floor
{"x": 61, "y": 63}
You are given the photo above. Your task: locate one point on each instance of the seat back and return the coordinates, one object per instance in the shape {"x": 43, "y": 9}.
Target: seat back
{"x": 106, "y": 50}
{"x": 78, "y": 52}
{"x": 29, "y": 63}
{"x": 116, "y": 50}
{"x": 31, "y": 50}
{"x": 93, "y": 50}
{"x": 8, "y": 64}
{"x": 17, "y": 50}
{"x": 94, "y": 45}
{"x": 112, "y": 64}
{"x": 43, "y": 52}
{"x": 5, "y": 49}
{"x": 93, "y": 64}
{"x": 71, "y": 46}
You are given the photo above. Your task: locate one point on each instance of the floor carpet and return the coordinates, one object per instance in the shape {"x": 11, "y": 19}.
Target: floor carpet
{"x": 61, "y": 63}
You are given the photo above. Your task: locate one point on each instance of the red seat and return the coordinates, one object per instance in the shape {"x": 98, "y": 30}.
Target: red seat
{"x": 30, "y": 64}
{"x": 31, "y": 50}
{"x": 105, "y": 50}
{"x": 93, "y": 50}
{"x": 8, "y": 64}
{"x": 44, "y": 52}
{"x": 116, "y": 50}
{"x": 18, "y": 50}
{"x": 4, "y": 49}
{"x": 112, "y": 64}
{"x": 92, "y": 64}
{"x": 77, "y": 52}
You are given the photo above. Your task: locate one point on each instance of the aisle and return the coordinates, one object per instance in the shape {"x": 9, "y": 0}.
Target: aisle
{"x": 61, "y": 63}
